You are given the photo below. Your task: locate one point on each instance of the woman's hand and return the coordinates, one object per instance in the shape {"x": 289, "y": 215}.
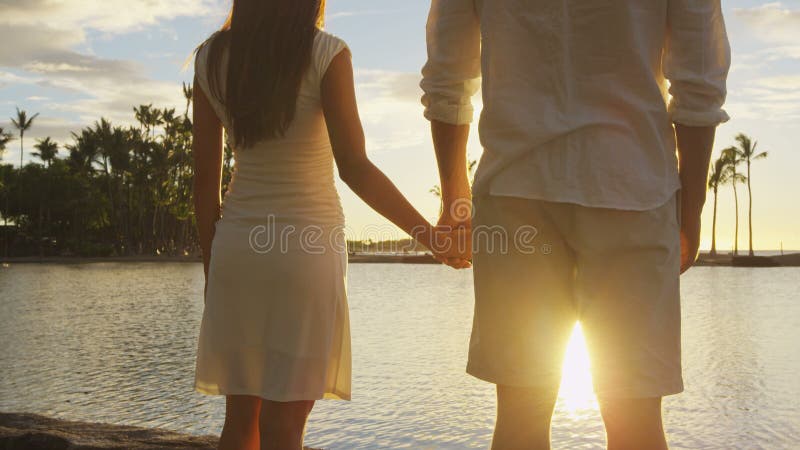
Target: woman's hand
{"x": 455, "y": 225}
{"x": 450, "y": 245}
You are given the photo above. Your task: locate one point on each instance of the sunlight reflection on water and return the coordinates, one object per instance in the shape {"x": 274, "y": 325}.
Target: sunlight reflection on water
{"x": 116, "y": 343}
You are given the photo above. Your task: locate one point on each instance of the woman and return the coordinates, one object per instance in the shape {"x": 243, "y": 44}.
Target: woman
{"x": 275, "y": 332}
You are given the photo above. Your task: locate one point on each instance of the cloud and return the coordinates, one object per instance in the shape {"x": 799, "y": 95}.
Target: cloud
{"x": 771, "y": 98}
{"x": 761, "y": 93}
{"x": 400, "y": 86}
{"x": 787, "y": 83}
{"x": 8, "y": 78}
{"x": 49, "y": 51}
{"x": 391, "y": 111}
{"x": 345, "y": 14}
{"x": 108, "y": 16}
{"x": 775, "y": 24}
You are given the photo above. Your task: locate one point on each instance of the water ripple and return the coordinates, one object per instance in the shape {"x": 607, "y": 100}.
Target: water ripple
{"x": 116, "y": 343}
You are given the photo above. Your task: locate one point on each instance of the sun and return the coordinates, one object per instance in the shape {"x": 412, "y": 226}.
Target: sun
{"x": 576, "y": 382}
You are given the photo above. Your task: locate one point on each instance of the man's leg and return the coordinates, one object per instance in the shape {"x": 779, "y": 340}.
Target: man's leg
{"x": 628, "y": 292}
{"x": 523, "y": 418}
{"x": 633, "y": 423}
{"x": 524, "y": 314}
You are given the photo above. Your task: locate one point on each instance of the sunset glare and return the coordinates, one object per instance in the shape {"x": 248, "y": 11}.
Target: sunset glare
{"x": 576, "y": 383}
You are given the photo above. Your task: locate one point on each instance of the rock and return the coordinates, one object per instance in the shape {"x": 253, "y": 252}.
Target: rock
{"x": 25, "y": 431}
{"x": 36, "y": 432}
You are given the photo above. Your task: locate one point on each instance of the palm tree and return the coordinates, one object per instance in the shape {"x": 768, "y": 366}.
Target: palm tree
{"x": 141, "y": 113}
{"x": 718, "y": 176}
{"x": 5, "y": 138}
{"x": 733, "y": 161}
{"x": 746, "y": 152}
{"x": 149, "y": 118}
{"x": 23, "y": 123}
{"x": 47, "y": 150}
{"x": 84, "y": 153}
{"x": 188, "y": 94}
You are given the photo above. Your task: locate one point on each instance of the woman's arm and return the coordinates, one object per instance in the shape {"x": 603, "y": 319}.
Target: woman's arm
{"x": 363, "y": 177}
{"x": 207, "y": 151}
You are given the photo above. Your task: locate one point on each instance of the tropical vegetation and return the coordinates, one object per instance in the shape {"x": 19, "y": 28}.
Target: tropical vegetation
{"x": 118, "y": 190}
{"x": 126, "y": 190}
{"x": 725, "y": 171}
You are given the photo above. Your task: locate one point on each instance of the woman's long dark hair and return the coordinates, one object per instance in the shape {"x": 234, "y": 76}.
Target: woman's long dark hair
{"x": 269, "y": 44}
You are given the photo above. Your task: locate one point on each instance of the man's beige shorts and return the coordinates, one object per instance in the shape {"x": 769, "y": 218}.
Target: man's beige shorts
{"x": 539, "y": 266}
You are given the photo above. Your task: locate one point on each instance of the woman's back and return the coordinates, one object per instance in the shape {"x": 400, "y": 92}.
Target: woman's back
{"x": 288, "y": 178}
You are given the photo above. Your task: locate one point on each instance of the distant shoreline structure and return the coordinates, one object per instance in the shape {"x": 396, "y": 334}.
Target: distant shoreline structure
{"x": 705, "y": 259}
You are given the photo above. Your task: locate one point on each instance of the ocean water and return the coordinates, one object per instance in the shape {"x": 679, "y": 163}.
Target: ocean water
{"x": 115, "y": 342}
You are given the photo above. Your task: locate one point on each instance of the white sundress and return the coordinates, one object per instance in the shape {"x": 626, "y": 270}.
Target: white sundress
{"x": 275, "y": 322}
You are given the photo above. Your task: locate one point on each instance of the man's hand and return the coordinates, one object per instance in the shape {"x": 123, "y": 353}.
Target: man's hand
{"x": 450, "y": 143}
{"x": 453, "y": 246}
{"x": 694, "y": 154}
{"x": 691, "y": 210}
{"x": 456, "y": 219}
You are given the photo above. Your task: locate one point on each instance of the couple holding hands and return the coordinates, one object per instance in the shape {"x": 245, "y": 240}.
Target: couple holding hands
{"x": 597, "y": 127}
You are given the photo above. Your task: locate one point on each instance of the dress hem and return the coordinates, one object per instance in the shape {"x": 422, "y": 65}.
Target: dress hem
{"x": 334, "y": 395}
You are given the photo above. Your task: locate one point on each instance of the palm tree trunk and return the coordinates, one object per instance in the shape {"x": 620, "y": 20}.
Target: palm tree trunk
{"x": 19, "y": 179}
{"x": 736, "y": 232}
{"x": 40, "y": 230}
{"x": 714, "y": 226}
{"x": 750, "y": 208}
{"x": 153, "y": 228}
{"x": 5, "y": 226}
{"x": 77, "y": 232}
{"x": 113, "y": 211}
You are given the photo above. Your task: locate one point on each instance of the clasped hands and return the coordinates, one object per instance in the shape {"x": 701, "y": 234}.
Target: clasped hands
{"x": 451, "y": 241}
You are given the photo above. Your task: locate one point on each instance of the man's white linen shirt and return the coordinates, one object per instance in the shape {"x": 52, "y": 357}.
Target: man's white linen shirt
{"x": 579, "y": 96}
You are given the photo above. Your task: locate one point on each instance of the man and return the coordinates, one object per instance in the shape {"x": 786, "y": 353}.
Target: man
{"x": 580, "y": 138}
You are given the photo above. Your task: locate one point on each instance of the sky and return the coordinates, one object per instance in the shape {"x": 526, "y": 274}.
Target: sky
{"x": 74, "y": 61}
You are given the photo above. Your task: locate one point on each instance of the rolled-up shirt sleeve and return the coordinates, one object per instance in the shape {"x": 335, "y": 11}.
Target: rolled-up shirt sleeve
{"x": 452, "y": 73}
{"x": 696, "y": 61}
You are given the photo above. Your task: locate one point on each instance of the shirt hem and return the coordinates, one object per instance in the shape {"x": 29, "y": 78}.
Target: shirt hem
{"x": 603, "y": 204}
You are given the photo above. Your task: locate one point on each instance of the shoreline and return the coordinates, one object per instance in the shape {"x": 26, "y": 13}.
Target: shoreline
{"x": 705, "y": 259}
{"x": 22, "y": 431}
{"x": 28, "y": 431}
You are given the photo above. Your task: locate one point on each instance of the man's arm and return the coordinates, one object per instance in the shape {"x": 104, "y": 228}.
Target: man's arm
{"x": 450, "y": 143}
{"x": 451, "y": 77}
{"x": 694, "y": 155}
{"x": 696, "y": 62}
